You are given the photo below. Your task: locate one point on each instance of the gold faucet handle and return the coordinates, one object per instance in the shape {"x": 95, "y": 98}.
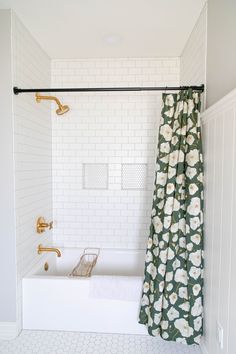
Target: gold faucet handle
{"x": 42, "y": 225}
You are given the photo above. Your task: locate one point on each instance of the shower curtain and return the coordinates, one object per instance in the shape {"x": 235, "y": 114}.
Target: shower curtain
{"x": 172, "y": 300}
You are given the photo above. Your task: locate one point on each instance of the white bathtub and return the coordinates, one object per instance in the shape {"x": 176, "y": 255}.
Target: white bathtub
{"x": 107, "y": 302}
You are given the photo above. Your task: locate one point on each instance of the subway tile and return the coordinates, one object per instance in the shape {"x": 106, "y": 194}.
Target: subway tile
{"x": 103, "y": 128}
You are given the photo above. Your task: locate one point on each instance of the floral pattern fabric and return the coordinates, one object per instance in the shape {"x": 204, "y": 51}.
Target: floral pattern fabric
{"x": 172, "y": 300}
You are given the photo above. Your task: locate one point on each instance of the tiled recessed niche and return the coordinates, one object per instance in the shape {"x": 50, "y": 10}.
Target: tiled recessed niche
{"x": 134, "y": 176}
{"x": 95, "y": 176}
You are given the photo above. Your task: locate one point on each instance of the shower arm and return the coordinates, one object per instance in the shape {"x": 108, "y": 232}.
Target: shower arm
{"x": 50, "y": 98}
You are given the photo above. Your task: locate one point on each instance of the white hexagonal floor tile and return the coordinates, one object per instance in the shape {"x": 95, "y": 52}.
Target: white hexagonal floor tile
{"x": 57, "y": 342}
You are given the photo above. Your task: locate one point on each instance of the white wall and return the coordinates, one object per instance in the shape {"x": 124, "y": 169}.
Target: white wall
{"x": 7, "y": 217}
{"x": 219, "y": 155}
{"x": 193, "y": 57}
{"x": 219, "y": 128}
{"x": 221, "y": 49}
{"x": 106, "y": 128}
{"x": 32, "y": 150}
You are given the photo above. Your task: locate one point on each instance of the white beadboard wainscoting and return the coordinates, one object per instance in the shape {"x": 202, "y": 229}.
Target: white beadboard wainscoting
{"x": 219, "y": 125}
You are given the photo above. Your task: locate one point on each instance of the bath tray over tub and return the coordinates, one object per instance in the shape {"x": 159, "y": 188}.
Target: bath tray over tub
{"x": 86, "y": 263}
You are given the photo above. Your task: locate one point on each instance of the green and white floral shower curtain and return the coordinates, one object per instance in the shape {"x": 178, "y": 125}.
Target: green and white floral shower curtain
{"x": 172, "y": 301}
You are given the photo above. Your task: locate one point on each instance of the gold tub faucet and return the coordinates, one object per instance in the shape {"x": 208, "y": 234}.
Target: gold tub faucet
{"x": 48, "y": 249}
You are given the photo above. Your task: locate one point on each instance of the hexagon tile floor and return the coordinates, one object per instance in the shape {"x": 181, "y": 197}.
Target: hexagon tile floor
{"x": 50, "y": 342}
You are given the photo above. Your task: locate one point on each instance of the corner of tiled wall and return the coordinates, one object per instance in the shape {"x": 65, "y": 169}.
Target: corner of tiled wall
{"x": 193, "y": 57}
{"x": 32, "y": 150}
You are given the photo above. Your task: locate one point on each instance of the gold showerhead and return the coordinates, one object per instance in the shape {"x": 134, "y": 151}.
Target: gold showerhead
{"x": 61, "y": 108}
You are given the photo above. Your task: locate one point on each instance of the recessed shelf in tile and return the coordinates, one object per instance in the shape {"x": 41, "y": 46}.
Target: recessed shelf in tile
{"x": 134, "y": 176}
{"x": 95, "y": 176}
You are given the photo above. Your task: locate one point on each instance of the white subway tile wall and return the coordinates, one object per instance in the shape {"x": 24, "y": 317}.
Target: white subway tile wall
{"x": 106, "y": 128}
{"x": 32, "y": 150}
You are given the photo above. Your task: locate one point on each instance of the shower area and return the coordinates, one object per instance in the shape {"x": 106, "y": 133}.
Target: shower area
{"x": 103, "y": 162}
{"x": 84, "y": 168}
{"x": 103, "y": 166}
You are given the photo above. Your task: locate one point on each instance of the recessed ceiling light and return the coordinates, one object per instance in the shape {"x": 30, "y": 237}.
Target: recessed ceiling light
{"x": 112, "y": 39}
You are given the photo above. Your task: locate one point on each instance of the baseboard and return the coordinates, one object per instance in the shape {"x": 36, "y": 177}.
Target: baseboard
{"x": 203, "y": 348}
{"x": 9, "y": 330}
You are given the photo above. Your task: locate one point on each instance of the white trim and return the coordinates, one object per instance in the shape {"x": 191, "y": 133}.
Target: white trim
{"x": 226, "y": 102}
{"x": 9, "y": 330}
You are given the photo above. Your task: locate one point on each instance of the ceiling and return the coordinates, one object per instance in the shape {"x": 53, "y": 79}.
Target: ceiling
{"x": 108, "y": 28}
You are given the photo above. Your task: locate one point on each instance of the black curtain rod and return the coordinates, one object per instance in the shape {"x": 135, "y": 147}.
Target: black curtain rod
{"x": 17, "y": 90}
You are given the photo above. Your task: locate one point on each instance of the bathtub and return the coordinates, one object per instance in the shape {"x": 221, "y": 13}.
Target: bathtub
{"x": 108, "y": 302}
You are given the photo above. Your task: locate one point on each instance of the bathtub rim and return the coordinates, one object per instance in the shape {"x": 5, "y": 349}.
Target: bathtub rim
{"x": 51, "y": 257}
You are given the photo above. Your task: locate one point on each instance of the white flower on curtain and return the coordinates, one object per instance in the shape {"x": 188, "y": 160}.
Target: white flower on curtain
{"x": 172, "y": 287}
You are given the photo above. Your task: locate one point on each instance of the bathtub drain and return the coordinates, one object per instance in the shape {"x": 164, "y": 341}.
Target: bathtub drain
{"x": 46, "y": 266}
